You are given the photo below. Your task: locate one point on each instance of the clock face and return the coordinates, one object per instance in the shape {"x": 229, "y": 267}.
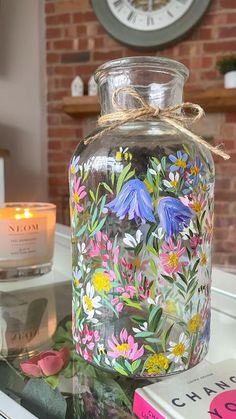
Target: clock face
{"x": 149, "y": 24}
{"x": 146, "y": 15}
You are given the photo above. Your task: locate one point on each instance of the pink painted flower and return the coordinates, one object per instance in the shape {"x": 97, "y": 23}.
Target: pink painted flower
{"x": 118, "y": 304}
{"x": 172, "y": 260}
{"x": 126, "y": 348}
{"x": 128, "y": 291}
{"x": 85, "y": 342}
{"x": 46, "y": 363}
{"x": 198, "y": 203}
{"x": 78, "y": 193}
{"x": 209, "y": 227}
{"x": 195, "y": 241}
{"x": 90, "y": 337}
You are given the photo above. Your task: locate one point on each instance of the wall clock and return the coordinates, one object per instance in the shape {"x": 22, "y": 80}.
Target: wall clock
{"x": 150, "y": 24}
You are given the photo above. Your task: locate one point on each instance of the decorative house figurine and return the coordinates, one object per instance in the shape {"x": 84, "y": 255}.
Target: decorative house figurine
{"x": 92, "y": 87}
{"x": 77, "y": 87}
{"x": 141, "y": 204}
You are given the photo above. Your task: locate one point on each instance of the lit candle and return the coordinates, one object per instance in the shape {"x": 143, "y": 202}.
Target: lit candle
{"x": 26, "y": 239}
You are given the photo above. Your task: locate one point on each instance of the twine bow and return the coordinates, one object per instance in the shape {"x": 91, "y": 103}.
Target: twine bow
{"x": 177, "y": 116}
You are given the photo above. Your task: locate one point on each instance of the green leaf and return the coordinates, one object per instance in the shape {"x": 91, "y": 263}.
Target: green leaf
{"x": 150, "y": 231}
{"x": 178, "y": 285}
{"x": 120, "y": 369}
{"x": 107, "y": 187}
{"x": 152, "y": 250}
{"x": 92, "y": 195}
{"x": 186, "y": 149}
{"x": 138, "y": 248}
{"x": 149, "y": 348}
{"x": 168, "y": 278}
{"x": 122, "y": 177}
{"x": 94, "y": 215}
{"x": 113, "y": 178}
{"x": 144, "y": 334}
{"x": 53, "y": 381}
{"x": 98, "y": 227}
{"x": 153, "y": 266}
{"x": 81, "y": 231}
{"x": 137, "y": 319}
{"x": 128, "y": 366}
{"x": 130, "y": 303}
{"x": 184, "y": 279}
{"x": 154, "y": 318}
{"x": 165, "y": 336}
{"x": 135, "y": 364}
{"x": 153, "y": 340}
{"x": 193, "y": 270}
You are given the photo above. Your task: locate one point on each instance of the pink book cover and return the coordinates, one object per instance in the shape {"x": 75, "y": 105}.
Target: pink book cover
{"x": 207, "y": 391}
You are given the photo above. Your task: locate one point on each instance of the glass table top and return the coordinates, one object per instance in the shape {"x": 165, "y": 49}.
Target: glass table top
{"x": 36, "y": 316}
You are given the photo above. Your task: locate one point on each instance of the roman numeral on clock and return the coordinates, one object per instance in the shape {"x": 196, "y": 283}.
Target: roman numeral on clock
{"x": 118, "y": 3}
{"x": 131, "y": 17}
{"x": 150, "y": 20}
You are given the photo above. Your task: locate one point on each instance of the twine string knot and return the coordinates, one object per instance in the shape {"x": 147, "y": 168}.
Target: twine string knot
{"x": 177, "y": 116}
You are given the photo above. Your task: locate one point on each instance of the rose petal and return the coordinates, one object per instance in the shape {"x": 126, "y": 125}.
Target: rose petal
{"x": 31, "y": 369}
{"x": 51, "y": 365}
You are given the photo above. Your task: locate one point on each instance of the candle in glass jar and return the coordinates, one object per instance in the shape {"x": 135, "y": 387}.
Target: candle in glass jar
{"x": 27, "y": 238}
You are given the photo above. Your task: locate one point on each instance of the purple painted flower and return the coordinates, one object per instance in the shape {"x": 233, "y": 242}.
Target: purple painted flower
{"x": 180, "y": 161}
{"x": 196, "y": 168}
{"x": 133, "y": 200}
{"x": 174, "y": 215}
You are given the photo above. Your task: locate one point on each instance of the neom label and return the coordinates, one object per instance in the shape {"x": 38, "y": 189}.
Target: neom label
{"x": 24, "y": 238}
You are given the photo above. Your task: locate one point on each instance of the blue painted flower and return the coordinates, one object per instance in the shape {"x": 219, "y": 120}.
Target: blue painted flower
{"x": 133, "y": 200}
{"x": 174, "y": 216}
{"x": 196, "y": 169}
{"x": 180, "y": 161}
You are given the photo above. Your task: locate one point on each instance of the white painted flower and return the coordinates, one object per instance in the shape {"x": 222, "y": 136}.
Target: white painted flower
{"x": 173, "y": 182}
{"x": 90, "y": 302}
{"x": 155, "y": 302}
{"x": 160, "y": 233}
{"x": 130, "y": 241}
{"x": 185, "y": 232}
{"x": 74, "y": 167}
{"x": 152, "y": 172}
{"x": 179, "y": 350}
{"x": 142, "y": 328}
{"x": 77, "y": 274}
{"x": 81, "y": 248}
{"x": 204, "y": 255}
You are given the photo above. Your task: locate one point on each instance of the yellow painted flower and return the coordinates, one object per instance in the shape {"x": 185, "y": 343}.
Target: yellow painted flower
{"x": 101, "y": 282}
{"x": 194, "y": 323}
{"x": 156, "y": 363}
{"x": 195, "y": 170}
{"x": 118, "y": 156}
{"x": 170, "y": 307}
{"x": 203, "y": 259}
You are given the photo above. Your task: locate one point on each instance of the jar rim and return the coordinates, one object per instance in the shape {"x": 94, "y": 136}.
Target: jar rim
{"x": 167, "y": 65}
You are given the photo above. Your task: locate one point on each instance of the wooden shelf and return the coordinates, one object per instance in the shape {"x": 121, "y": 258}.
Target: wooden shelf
{"x": 214, "y": 100}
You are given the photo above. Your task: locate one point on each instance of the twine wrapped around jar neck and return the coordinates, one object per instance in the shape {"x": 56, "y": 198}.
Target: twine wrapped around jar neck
{"x": 176, "y": 115}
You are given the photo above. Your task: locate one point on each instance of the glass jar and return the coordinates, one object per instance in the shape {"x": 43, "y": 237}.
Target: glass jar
{"x": 141, "y": 201}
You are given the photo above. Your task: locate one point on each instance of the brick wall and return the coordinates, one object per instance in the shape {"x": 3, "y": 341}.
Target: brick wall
{"x": 76, "y": 44}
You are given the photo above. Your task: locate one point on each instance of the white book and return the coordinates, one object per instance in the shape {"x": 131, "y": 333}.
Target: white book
{"x": 207, "y": 391}
{"x": 9, "y": 409}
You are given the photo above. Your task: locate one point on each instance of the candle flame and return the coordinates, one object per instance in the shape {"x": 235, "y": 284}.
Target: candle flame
{"x": 26, "y": 214}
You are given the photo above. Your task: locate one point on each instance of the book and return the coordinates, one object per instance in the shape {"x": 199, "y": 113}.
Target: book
{"x": 9, "y": 409}
{"x": 207, "y": 391}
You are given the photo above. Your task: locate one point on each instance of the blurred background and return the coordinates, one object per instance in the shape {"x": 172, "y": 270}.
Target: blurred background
{"x": 45, "y": 44}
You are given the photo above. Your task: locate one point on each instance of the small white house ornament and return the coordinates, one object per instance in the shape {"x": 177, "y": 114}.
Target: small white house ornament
{"x": 92, "y": 86}
{"x": 77, "y": 87}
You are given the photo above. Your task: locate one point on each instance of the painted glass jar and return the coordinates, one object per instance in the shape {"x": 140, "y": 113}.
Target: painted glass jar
{"x": 141, "y": 201}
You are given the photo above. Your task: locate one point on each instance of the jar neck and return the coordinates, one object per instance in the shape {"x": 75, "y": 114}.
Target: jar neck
{"x": 158, "y": 84}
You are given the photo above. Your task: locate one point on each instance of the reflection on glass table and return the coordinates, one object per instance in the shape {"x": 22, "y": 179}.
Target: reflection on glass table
{"x": 36, "y": 317}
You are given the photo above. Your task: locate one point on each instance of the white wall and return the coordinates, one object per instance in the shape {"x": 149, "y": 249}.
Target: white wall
{"x": 23, "y": 98}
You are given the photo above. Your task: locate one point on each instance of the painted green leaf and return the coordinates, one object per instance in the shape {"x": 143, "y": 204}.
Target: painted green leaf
{"x": 165, "y": 336}
{"x": 149, "y": 348}
{"x": 152, "y": 250}
{"x": 81, "y": 231}
{"x": 135, "y": 364}
{"x": 168, "y": 278}
{"x": 178, "y": 285}
{"x": 107, "y": 187}
{"x": 128, "y": 366}
{"x": 122, "y": 177}
{"x": 137, "y": 319}
{"x": 99, "y": 226}
{"x": 120, "y": 369}
{"x": 138, "y": 248}
{"x": 130, "y": 303}
{"x": 154, "y": 318}
{"x": 92, "y": 195}
{"x": 153, "y": 266}
{"x": 143, "y": 334}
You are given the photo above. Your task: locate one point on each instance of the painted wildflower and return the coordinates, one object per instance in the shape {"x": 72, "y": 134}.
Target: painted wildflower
{"x": 101, "y": 282}
{"x": 78, "y": 194}
{"x": 173, "y": 182}
{"x": 90, "y": 302}
{"x": 133, "y": 200}
{"x": 126, "y": 348}
{"x": 77, "y": 275}
{"x": 174, "y": 216}
{"x": 180, "y": 162}
{"x": 195, "y": 323}
{"x": 179, "y": 350}
{"x": 196, "y": 169}
{"x": 82, "y": 248}
{"x": 130, "y": 241}
{"x": 209, "y": 227}
{"x": 156, "y": 363}
{"x": 74, "y": 167}
{"x": 171, "y": 260}
{"x": 198, "y": 203}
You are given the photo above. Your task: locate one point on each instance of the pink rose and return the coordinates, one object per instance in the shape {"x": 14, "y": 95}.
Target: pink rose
{"x": 46, "y": 363}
